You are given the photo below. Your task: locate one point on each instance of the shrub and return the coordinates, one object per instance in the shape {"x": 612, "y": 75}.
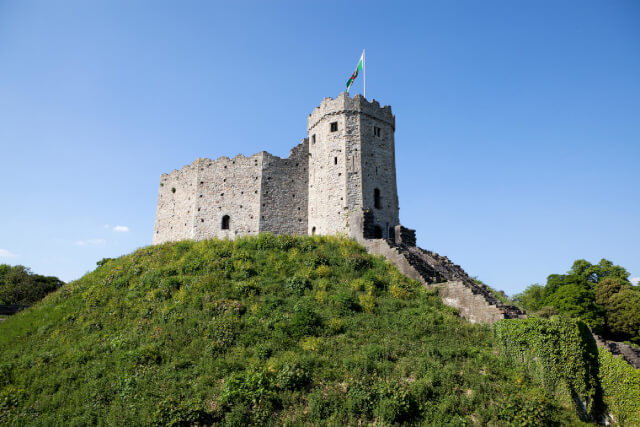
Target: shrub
{"x": 367, "y": 302}
{"x": 297, "y": 284}
{"x": 305, "y": 321}
{"x": 345, "y": 302}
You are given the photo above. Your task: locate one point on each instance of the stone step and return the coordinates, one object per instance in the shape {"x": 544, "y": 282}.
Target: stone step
{"x": 629, "y": 353}
{"x": 474, "y": 301}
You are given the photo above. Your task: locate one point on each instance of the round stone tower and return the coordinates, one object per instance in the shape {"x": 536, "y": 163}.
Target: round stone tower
{"x": 352, "y": 168}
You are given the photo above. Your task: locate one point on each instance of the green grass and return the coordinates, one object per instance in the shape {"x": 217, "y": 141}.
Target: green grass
{"x": 263, "y": 330}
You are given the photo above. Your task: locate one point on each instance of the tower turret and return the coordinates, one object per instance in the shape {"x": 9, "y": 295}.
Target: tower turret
{"x": 352, "y": 173}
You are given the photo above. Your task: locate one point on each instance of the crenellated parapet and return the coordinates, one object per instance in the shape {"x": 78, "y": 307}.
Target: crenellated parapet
{"x": 344, "y": 104}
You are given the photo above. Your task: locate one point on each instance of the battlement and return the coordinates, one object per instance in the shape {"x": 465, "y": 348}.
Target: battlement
{"x": 344, "y": 104}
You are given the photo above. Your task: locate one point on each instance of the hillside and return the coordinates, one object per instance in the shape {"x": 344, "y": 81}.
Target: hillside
{"x": 263, "y": 330}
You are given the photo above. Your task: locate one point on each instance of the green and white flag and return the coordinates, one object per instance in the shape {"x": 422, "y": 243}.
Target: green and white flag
{"x": 355, "y": 73}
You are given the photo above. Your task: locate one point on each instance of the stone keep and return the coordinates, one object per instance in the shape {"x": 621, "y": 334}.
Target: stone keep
{"x": 339, "y": 180}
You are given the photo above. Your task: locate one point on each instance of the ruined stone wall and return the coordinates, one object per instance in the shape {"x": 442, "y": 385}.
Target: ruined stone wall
{"x": 284, "y": 192}
{"x": 228, "y": 187}
{"x": 176, "y": 205}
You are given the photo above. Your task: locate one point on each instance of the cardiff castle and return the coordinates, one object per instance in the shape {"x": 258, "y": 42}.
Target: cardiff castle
{"x": 341, "y": 179}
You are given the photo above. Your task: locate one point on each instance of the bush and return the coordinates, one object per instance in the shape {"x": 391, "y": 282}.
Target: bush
{"x": 297, "y": 284}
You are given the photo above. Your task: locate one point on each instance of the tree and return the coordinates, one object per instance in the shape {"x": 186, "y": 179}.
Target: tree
{"x": 592, "y": 274}
{"x": 577, "y": 301}
{"x": 532, "y": 299}
{"x": 18, "y": 285}
{"x": 623, "y": 314}
{"x": 609, "y": 287}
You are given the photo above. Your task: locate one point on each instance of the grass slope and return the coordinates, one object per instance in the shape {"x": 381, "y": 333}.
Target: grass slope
{"x": 262, "y": 330}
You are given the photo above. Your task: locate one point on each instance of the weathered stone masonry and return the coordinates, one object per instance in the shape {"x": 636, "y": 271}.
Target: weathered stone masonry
{"x": 341, "y": 179}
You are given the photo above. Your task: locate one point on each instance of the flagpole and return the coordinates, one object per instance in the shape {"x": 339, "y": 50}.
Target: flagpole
{"x": 364, "y": 74}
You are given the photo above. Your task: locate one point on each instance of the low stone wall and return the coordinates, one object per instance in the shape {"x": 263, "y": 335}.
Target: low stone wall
{"x": 472, "y": 307}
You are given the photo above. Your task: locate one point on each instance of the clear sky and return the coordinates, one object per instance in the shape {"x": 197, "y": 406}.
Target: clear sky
{"x": 518, "y": 123}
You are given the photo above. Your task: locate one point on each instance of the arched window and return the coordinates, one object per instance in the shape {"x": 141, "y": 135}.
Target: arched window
{"x": 377, "y": 232}
{"x": 376, "y": 199}
{"x": 225, "y": 222}
{"x": 313, "y": 231}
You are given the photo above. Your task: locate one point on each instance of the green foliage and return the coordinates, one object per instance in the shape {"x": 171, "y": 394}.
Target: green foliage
{"x": 621, "y": 388}
{"x": 598, "y": 294}
{"x": 532, "y": 299}
{"x": 18, "y": 285}
{"x": 623, "y": 315}
{"x": 579, "y": 302}
{"x": 561, "y": 354}
{"x": 275, "y": 330}
{"x": 558, "y": 351}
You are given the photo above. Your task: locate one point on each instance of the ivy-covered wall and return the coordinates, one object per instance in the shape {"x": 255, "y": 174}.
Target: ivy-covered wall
{"x": 562, "y": 352}
{"x": 559, "y": 352}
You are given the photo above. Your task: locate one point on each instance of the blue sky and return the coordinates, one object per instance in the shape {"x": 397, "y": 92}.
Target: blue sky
{"x": 518, "y": 123}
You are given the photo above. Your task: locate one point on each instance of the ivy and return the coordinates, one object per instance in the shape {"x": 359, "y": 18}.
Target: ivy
{"x": 558, "y": 351}
{"x": 621, "y": 388}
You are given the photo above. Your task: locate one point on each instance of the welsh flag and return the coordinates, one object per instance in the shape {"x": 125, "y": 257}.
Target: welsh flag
{"x": 355, "y": 73}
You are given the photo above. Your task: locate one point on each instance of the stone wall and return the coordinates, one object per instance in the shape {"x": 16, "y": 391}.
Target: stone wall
{"x": 228, "y": 187}
{"x": 257, "y": 193}
{"x": 284, "y": 192}
{"x": 175, "y": 213}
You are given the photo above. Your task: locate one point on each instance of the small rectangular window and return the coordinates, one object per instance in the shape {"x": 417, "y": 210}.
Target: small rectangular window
{"x": 334, "y": 127}
{"x": 377, "y": 131}
{"x": 313, "y": 138}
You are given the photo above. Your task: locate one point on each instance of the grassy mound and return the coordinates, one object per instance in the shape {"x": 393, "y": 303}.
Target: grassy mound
{"x": 263, "y": 330}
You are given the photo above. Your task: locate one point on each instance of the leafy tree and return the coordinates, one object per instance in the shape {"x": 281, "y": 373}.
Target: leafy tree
{"x": 598, "y": 294}
{"x": 609, "y": 287}
{"x": 532, "y": 299}
{"x": 578, "y": 301}
{"x": 623, "y": 314}
{"x": 593, "y": 274}
{"x": 18, "y": 285}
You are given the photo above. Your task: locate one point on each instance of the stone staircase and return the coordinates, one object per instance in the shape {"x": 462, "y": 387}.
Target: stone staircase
{"x": 475, "y": 301}
{"x": 628, "y": 353}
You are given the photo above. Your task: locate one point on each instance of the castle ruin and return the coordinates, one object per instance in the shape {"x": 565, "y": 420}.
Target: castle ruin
{"x": 341, "y": 179}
